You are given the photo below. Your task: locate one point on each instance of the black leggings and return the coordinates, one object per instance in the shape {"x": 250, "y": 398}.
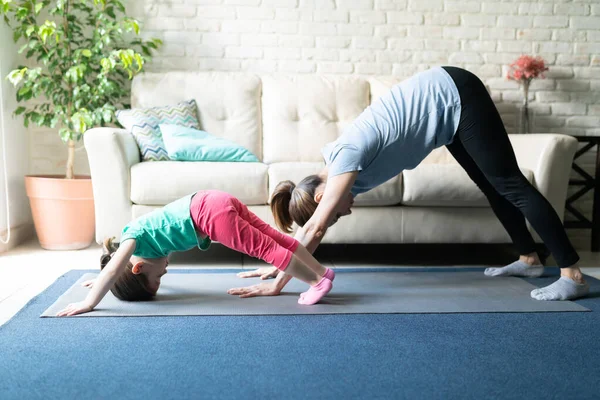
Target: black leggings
{"x": 481, "y": 146}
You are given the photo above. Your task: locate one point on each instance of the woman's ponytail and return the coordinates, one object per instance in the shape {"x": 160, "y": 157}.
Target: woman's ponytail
{"x": 280, "y": 205}
{"x": 291, "y": 203}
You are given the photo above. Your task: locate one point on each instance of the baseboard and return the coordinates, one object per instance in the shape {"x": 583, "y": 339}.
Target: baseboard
{"x": 18, "y": 234}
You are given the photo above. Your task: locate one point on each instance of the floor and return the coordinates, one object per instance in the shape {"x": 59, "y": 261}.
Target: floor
{"x": 28, "y": 269}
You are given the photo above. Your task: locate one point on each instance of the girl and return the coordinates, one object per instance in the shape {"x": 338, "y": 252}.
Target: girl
{"x": 133, "y": 272}
{"x": 442, "y": 106}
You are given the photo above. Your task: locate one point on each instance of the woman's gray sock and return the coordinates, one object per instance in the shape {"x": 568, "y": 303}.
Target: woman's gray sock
{"x": 518, "y": 268}
{"x": 563, "y": 289}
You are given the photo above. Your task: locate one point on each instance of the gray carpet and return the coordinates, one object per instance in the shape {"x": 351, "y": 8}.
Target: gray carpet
{"x": 353, "y": 293}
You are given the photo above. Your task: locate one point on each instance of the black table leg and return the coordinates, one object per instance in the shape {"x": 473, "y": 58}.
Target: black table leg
{"x": 586, "y": 182}
{"x": 596, "y": 206}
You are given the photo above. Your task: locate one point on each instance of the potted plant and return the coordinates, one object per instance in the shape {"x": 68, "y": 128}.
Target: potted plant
{"x": 80, "y": 55}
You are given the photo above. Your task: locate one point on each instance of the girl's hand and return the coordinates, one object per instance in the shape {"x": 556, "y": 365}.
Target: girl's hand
{"x": 262, "y": 289}
{"x": 74, "y": 309}
{"x": 263, "y": 272}
{"x": 88, "y": 284}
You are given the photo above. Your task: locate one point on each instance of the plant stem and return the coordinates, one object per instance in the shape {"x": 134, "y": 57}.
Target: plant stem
{"x": 67, "y": 41}
{"x": 71, "y": 159}
{"x": 34, "y": 23}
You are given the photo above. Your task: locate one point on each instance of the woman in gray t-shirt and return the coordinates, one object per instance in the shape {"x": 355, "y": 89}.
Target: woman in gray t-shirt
{"x": 444, "y": 106}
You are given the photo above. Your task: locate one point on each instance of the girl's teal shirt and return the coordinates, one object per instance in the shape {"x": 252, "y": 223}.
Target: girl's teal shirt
{"x": 166, "y": 230}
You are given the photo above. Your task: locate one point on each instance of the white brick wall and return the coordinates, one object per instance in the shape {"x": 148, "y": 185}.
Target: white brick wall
{"x": 387, "y": 37}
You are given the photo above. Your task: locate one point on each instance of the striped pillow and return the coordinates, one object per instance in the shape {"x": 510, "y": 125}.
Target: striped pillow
{"x": 143, "y": 125}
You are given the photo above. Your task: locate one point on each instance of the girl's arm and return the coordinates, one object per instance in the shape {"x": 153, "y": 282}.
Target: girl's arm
{"x": 104, "y": 282}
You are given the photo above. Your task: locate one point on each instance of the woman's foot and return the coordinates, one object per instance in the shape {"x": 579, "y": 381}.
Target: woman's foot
{"x": 528, "y": 266}
{"x": 570, "y": 286}
{"x": 518, "y": 268}
{"x": 563, "y": 289}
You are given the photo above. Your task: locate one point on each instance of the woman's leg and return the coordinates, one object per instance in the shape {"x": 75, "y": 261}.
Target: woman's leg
{"x": 485, "y": 140}
{"x": 512, "y": 220}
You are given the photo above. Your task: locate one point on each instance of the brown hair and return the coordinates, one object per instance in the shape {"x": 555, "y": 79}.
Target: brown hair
{"x": 128, "y": 287}
{"x": 291, "y": 203}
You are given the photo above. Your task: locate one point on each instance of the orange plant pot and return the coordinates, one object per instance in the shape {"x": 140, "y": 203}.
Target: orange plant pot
{"x": 63, "y": 211}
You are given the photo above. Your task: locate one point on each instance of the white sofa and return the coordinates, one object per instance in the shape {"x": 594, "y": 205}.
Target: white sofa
{"x": 285, "y": 120}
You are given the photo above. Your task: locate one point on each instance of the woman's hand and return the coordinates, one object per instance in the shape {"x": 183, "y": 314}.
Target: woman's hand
{"x": 88, "y": 284}
{"x": 74, "y": 309}
{"x": 262, "y": 289}
{"x": 263, "y": 272}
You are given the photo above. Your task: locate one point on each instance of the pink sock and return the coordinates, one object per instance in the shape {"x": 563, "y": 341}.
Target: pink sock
{"x": 329, "y": 274}
{"x": 316, "y": 293}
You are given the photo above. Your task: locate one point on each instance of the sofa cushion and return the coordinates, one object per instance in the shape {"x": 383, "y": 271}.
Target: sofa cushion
{"x": 159, "y": 183}
{"x": 303, "y": 113}
{"x": 228, "y": 103}
{"x": 188, "y": 144}
{"x": 143, "y": 123}
{"x": 444, "y": 185}
{"x": 389, "y": 193}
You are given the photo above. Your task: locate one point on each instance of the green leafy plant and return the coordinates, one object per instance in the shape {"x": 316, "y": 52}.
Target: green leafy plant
{"x": 81, "y": 53}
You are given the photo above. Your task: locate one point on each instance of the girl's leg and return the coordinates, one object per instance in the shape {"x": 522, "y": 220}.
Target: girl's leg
{"x": 485, "y": 140}
{"x": 284, "y": 240}
{"x": 231, "y": 230}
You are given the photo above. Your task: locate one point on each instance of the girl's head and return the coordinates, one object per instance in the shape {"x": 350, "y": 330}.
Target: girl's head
{"x": 141, "y": 278}
{"x": 297, "y": 203}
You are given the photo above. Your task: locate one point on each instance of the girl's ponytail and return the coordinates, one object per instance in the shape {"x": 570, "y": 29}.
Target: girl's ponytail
{"x": 127, "y": 287}
{"x": 109, "y": 246}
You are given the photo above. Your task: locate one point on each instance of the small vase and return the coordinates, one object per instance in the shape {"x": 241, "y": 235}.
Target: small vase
{"x": 524, "y": 110}
{"x": 524, "y": 118}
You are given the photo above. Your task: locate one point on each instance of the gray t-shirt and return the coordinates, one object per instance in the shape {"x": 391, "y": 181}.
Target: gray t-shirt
{"x": 397, "y": 131}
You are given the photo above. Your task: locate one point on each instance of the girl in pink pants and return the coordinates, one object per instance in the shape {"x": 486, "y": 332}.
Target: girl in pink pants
{"x": 132, "y": 270}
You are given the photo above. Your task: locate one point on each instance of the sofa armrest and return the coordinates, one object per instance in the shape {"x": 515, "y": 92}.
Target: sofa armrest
{"x": 111, "y": 154}
{"x": 550, "y": 157}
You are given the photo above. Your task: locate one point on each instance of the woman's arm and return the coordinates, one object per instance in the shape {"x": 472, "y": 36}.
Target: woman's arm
{"x": 336, "y": 189}
{"x": 309, "y": 236}
{"x": 104, "y": 282}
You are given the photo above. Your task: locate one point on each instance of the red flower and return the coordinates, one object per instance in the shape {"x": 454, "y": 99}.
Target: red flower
{"x": 526, "y": 68}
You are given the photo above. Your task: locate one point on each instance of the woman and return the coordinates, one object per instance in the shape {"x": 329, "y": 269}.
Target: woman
{"x": 442, "y": 106}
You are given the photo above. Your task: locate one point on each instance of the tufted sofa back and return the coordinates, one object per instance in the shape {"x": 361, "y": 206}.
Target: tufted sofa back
{"x": 303, "y": 113}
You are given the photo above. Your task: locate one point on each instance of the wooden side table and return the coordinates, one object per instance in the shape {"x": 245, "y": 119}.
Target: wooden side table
{"x": 587, "y": 183}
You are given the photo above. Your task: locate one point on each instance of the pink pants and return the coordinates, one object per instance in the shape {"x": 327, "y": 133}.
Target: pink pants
{"x": 228, "y": 221}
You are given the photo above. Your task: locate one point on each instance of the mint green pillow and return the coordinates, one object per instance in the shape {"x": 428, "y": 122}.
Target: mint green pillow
{"x": 189, "y": 144}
